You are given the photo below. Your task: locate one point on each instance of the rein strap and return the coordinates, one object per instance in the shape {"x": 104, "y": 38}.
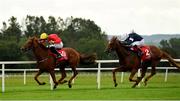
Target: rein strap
{"x": 42, "y": 60}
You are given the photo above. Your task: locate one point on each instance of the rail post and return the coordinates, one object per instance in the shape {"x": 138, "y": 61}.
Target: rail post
{"x": 139, "y": 75}
{"x": 98, "y": 76}
{"x": 166, "y": 75}
{"x": 24, "y": 77}
{"x": 51, "y": 82}
{"x": 122, "y": 77}
{"x": 3, "y": 78}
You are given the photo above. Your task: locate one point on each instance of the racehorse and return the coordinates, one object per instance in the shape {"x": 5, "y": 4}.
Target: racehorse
{"x": 46, "y": 62}
{"x": 129, "y": 61}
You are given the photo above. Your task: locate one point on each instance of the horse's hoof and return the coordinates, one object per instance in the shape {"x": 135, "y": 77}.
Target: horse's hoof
{"x": 145, "y": 83}
{"x": 70, "y": 86}
{"x": 115, "y": 85}
{"x": 133, "y": 86}
{"x": 42, "y": 83}
{"x": 54, "y": 87}
{"x": 64, "y": 81}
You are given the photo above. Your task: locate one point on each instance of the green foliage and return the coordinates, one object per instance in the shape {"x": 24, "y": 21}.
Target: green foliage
{"x": 85, "y": 36}
{"x": 81, "y": 34}
{"x": 172, "y": 46}
{"x": 9, "y": 50}
{"x": 10, "y": 38}
{"x": 13, "y": 30}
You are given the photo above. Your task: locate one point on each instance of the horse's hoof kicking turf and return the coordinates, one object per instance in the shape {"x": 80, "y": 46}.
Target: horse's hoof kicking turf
{"x": 116, "y": 85}
{"x": 70, "y": 86}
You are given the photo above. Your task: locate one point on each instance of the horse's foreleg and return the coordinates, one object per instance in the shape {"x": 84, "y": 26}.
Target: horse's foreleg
{"x": 63, "y": 75}
{"x": 133, "y": 72}
{"x": 120, "y": 69}
{"x": 74, "y": 75}
{"x": 52, "y": 73}
{"x": 153, "y": 72}
{"x": 36, "y": 77}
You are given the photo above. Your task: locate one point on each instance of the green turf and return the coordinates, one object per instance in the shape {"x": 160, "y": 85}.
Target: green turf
{"x": 85, "y": 88}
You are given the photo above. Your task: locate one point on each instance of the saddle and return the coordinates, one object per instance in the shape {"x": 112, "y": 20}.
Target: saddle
{"x": 143, "y": 52}
{"x": 63, "y": 54}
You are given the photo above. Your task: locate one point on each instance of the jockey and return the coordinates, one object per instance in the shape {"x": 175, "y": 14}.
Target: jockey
{"x": 54, "y": 42}
{"x": 134, "y": 40}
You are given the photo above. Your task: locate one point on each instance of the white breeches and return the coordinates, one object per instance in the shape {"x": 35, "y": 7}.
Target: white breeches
{"x": 138, "y": 43}
{"x": 57, "y": 46}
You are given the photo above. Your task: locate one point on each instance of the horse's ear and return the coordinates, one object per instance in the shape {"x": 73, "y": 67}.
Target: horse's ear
{"x": 114, "y": 38}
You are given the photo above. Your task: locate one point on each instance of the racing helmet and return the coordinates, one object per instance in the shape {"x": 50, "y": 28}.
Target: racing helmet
{"x": 43, "y": 36}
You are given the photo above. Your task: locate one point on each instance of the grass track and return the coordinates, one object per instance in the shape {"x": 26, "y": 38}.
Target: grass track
{"x": 85, "y": 88}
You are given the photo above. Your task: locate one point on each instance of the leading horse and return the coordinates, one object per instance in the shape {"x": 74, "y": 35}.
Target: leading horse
{"x": 129, "y": 61}
{"x": 47, "y": 62}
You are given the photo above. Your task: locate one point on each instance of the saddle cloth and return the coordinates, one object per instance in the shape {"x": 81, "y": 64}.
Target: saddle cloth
{"x": 146, "y": 54}
{"x": 145, "y": 50}
{"x": 63, "y": 54}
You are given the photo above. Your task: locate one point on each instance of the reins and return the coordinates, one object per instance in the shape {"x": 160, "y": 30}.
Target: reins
{"x": 40, "y": 45}
{"x": 43, "y": 60}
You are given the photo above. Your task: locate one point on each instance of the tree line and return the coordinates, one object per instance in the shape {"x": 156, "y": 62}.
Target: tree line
{"x": 82, "y": 34}
{"x": 171, "y": 46}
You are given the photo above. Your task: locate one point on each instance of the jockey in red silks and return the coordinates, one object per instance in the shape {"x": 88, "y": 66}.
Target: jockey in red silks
{"x": 54, "y": 42}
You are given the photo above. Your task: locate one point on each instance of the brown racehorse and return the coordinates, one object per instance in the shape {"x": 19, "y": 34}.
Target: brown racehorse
{"x": 129, "y": 61}
{"x": 47, "y": 63}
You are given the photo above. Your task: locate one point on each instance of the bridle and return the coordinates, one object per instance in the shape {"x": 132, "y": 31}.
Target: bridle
{"x": 32, "y": 47}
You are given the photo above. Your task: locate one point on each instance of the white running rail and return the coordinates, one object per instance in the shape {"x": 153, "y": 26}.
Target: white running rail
{"x": 99, "y": 62}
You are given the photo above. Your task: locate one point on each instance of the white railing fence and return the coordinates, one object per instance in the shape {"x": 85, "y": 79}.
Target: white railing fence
{"x": 98, "y": 69}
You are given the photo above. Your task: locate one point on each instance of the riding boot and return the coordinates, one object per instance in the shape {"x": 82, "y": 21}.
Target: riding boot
{"x": 139, "y": 52}
{"x": 141, "y": 63}
{"x": 53, "y": 50}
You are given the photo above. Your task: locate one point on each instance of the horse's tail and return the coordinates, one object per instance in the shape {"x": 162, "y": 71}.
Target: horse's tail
{"x": 170, "y": 59}
{"x": 88, "y": 59}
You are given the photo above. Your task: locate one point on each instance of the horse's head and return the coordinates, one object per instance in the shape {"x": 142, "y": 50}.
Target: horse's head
{"x": 112, "y": 45}
{"x": 31, "y": 43}
{"x": 116, "y": 45}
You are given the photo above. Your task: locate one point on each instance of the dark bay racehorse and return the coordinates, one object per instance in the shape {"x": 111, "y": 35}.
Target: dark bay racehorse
{"x": 47, "y": 63}
{"x": 129, "y": 61}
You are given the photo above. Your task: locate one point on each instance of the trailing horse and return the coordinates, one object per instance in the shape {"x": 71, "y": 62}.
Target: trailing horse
{"x": 129, "y": 61}
{"x": 46, "y": 61}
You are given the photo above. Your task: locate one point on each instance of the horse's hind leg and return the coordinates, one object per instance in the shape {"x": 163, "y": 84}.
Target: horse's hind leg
{"x": 140, "y": 78}
{"x": 153, "y": 72}
{"x": 36, "y": 77}
{"x": 133, "y": 72}
{"x": 74, "y": 75}
{"x": 63, "y": 75}
{"x": 120, "y": 69}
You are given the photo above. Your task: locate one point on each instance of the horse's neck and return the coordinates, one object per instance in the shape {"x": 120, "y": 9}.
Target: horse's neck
{"x": 121, "y": 52}
{"x": 40, "y": 53}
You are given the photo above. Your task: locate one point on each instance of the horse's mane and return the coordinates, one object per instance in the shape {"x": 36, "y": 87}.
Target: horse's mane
{"x": 40, "y": 44}
{"x": 115, "y": 39}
